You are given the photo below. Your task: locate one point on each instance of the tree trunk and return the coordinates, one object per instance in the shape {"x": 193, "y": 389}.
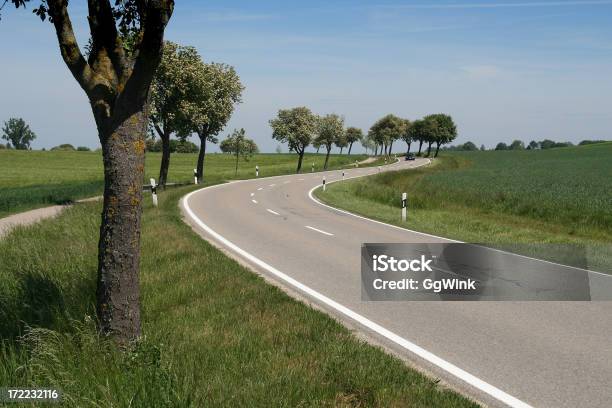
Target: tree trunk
{"x": 408, "y": 151}
{"x": 301, "y": 157}
{"x": 376, "y": 150}
{"x": 429, "y": 149}
{"x": 391, "y": 148}
{"x": 237, "y": 155}
{"x": 318, "y": 149}
{"x": 165, "y": 160}
{"x": 420, "y": 145}
{"x": 351, "y": 146}
{"x": 201, "y": 156}
{"x": 327, "y": 157}
{"x": 341, "y": 150}
{"x": 118, "y": 291}
{"x": 437, "y": 149}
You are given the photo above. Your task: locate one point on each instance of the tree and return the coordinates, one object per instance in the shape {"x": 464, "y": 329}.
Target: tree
{"x": 547, "y": 144}
{"x": 386, "y": 130}
{"x": 170, "y": 91}
{"x": 18, "y": 133}
{"x": 407, "y": 135}
{"x": 368, "y": 143}
{"x": 214, "y": 91}
{"x": 444, "y": 131}
{"x": 469, "y": 146}
{"x": 64, "y": 147}
{"x": 501, "y": 146}
{"x": 330, "y": 129}
{"x": 482, "y": 148}
{"x": 517, "y": 145}
{"x": 238, "y": 145}
{"x": 533, "y": 145}
{"x": 116, "y": 77}
{"x": 416, "y": 132}
{"x": 342, "y": 141}
{"x": 429, "y": 131}
{"x": 352, "y": 135}
{"x": 297, "y": 127}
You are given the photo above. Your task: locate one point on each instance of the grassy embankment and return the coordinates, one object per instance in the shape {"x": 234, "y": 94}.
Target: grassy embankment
{"x": 31, "y": 179}
{"x": 215, "y": 333}
{"x": 498, "y": 197}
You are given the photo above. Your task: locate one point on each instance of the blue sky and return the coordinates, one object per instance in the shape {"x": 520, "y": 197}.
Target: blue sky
{"x": 503, "y": 69}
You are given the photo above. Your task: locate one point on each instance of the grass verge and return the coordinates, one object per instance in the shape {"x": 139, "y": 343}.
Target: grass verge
{"x": 215, "y": 333}
{"x": 463, "y": 197}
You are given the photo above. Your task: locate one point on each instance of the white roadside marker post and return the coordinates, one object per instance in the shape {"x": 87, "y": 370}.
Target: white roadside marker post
{"x": 256, "y": 171}
{"x": 195, "y": 176}
{"x": 312, "y": 170}
{"x": 323, "y": 183}
{"x": 404, "y": 205}
{"x": 356, "y": 164}
{"x": 154, "y": 192}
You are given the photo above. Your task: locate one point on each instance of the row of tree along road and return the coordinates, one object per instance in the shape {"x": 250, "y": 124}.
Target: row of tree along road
{"x": 300, "y": 128}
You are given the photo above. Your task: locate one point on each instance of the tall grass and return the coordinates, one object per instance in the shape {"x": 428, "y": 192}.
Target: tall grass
{"x": 215, "y": 334}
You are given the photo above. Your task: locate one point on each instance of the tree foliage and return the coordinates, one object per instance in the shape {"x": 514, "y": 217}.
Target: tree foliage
{"x": 386, "y": 130}
{"x": 330, "y": 131}
{"x": 18, "y": 133}
{"x": 297, "y": 127}
{"x": 352, "y": 135}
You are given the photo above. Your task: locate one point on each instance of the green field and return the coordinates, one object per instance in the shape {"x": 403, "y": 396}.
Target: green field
{"x": 30, "y": 179}
{"x": 498, "y": 197}
{"x": 215, "y": 334}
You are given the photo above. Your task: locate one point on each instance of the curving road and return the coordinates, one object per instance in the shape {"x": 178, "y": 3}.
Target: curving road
{"x": 546, "y": 354}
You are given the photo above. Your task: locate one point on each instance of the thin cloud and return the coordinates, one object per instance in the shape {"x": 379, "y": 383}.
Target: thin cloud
{"x": 505, "y": 5}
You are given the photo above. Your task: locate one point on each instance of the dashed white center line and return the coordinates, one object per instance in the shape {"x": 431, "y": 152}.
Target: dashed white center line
{"x": 260, "y": 188}
{"x": 272, "y": 212}
{"x": 252, "y": 194}
{"x": 318, "y": 230}
{"x": 300, "y": 179}
{"x": 272, "y": 185}
{"x": 286, "y": 182}
{"x": 254, "y": 201}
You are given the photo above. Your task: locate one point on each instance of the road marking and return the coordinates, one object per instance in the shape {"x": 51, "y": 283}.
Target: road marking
{"x": 260, "y": 188}
{"x": 404, "y": 343}
{"x": 300, "y": 179}
{"x": 252, "y": 194}
{"x": 254, "y": 201}
{"x": 318, "y": 230}
{"x": 272, "y": 185}
{"x": 287, "y": 181}
{"x": 271, "y": 211}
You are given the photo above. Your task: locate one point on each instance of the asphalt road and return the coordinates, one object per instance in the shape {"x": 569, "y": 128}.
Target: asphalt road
{"x": 545, "y": 354}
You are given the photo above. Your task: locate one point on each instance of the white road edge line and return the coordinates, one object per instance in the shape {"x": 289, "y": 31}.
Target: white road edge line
{"x": 318, "y": 230}
{"x": 272, "y": 211}
{"x": 408, "y": 345}
{"x": 254, "y": 201}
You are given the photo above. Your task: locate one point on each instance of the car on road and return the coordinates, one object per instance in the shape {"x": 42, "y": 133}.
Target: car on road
{"x": 410, "y": 156}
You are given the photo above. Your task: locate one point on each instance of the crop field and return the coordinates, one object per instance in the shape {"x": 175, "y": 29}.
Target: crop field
{"x": 30, "y": 179}
{"x": 559, "y": 195}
